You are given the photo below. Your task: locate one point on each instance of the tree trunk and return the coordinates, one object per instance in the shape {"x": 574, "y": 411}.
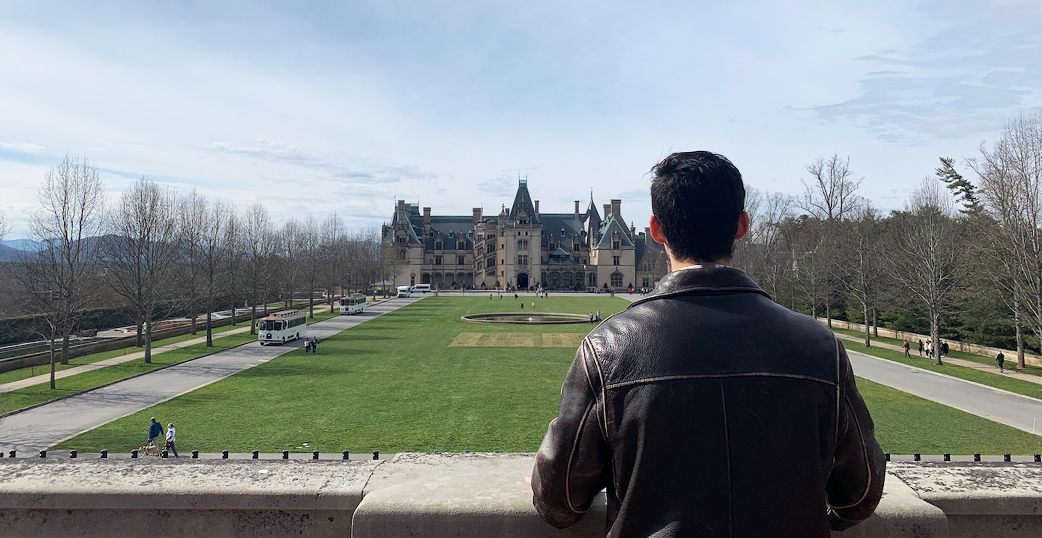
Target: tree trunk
{"x": 65, "y": 349}
{"x": 233, "y": 312}
{"x": 1020, "y": 345}
{"x": 209, "y": 328}
{"x": 51, "y": 348}
{"x": 148, "y": 341}
{"x": 140, "y": 334}
{"x": 935, "y": 335}
{"x": 194, "y": 316}
{"x": 875, "y": 322}
{"x": 868, "y": 333}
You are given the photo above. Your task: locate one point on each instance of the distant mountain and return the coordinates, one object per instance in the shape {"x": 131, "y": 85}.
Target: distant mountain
{"x": 19, "y": 244}
{"x": 8, "y": 254}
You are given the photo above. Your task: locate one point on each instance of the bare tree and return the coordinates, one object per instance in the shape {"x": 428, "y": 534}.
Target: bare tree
{"x": 259, "y": 240}
{"x": 1010, "y": 176}
{"x": 333, "y": 254}
{"x": 142, "y": 253}
{"x": 309, "y": 260}
{"x": 213, "y": 255}
{"x": 831, "y": 193}
{"x": 235, "y": 257}
{"x": 922, "y": 254}
{"x": 287, "y": 258}
{"x": 859, "y": 268}
{"x": 192, "y": 223}
{"x": 60, "y": 272}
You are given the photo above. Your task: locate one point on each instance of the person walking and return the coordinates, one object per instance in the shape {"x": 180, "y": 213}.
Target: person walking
{"x": 920, "y": 347}
{"x": 1001, "y": 359}
{"x": 171, "y": 439}
{"x": 907, "y": 349}
{"x": 681, "y": 428}
{"x": 314, "y": 344}
{"x": 155, "y": 431}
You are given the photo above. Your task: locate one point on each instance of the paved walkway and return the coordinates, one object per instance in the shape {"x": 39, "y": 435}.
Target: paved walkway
{"x": 47, "y": 425}
{"x": 1010, "y": 372}
{"x": 137, "y": 355}
{"x": 1011, "y": 409}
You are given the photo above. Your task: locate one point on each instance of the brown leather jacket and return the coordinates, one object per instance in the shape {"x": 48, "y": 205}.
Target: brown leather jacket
{"x": 707, "y": 409}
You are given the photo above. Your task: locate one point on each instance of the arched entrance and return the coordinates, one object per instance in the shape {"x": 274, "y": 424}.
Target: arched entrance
{"x": 522, "y": 281}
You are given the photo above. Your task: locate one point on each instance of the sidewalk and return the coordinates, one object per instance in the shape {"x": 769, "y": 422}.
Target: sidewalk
{"x": 947, "y": 360}
{"x": 46, "y": 378}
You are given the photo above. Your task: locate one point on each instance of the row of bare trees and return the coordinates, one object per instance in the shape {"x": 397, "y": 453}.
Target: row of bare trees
{"x": 960, "y": 258}
{"x": 156, "y": 252}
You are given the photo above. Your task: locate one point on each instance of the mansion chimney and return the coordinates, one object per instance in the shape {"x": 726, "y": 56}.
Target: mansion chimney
{"x": 577, "y": 210}
{"x": 426, "y": 221}
{"x": 607, "y": 211}
{"x": 477, "y": 215}
{"x": 616, "y": 206}
{"x": 536, "y": 216}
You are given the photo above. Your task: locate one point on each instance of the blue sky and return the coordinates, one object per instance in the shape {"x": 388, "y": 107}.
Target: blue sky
{"x": 310, "y": 107}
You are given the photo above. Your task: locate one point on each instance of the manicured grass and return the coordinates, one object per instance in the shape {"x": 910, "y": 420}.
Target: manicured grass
{"x": 394, "y": 383}
{"x": 906, "y": 424}
{"x": 80, "y": 382}
{"x": 42, "y": 392}
{"x": 390, "y": 384}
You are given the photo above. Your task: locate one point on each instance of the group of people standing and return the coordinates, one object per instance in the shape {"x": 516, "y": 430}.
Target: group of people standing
{"x": 927, "y": 347}
{"x": 311, "y": 345}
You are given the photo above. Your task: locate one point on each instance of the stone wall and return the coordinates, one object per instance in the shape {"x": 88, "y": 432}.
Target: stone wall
{"x": 446, "y": 495}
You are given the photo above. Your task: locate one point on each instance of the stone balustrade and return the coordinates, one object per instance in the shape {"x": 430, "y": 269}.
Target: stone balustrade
{"x": 441, "y": 495}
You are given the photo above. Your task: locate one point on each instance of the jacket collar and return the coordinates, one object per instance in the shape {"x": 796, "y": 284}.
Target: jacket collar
{"x": 710, "y": 280}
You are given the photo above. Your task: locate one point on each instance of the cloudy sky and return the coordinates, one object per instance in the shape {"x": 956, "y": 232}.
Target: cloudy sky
{"x": 310, "y": 107}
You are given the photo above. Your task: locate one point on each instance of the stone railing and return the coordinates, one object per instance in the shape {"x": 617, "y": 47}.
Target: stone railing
{"x": 913, "y": 338}
{"x": 446, "y": 495}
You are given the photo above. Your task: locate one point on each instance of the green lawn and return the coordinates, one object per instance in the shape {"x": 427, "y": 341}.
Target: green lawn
{"x": 390, "y": 384}
{"x": 40, "y": 393}
{"x": 907, "y": 424}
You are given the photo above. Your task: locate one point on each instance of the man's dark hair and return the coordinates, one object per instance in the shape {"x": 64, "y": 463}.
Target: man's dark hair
{"x": 697, "y": 197}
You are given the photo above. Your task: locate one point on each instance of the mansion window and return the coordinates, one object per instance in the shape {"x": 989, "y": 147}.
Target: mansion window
{"x": 522, "y": 260}
{"x": 400, "y": 239}
{"x": 490, "y": 248}
{"x": 522, "y": 244}
{"x": 615, "y": 244}
{"x": 616, "y": 279}
{"x": 551, "y": 247}
{"x": 437, "y": 245}
{"x": 460, "y": 260}
{"x": 437, "y": 260}
{"x": 615, "y": 260}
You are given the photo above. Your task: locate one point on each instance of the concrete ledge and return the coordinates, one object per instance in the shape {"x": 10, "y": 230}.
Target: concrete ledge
{"x": 981, "y": 499}
{"x": 444, "y": 495}
{"x": 158, "y": 498}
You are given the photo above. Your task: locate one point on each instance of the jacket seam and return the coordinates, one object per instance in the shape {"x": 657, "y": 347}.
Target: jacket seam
{"x": 839, "y": 398}
{"x": 727, "y": 443}
{"x": 649, "y": 380}
{"x": 864, "y": 458}
{"x": 571, "y": 455}
{"x": 604, "y": 411}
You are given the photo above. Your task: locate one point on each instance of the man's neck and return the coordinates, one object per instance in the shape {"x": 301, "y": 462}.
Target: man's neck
{"x": 676, "y": 265}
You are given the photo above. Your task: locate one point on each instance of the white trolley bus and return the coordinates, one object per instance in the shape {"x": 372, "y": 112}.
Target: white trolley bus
{"x": 282, "y": 326}
{"x": 352, "y": 304}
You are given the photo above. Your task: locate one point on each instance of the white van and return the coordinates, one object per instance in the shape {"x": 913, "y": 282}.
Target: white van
{"x": 403, "y": 292}
{"x": 421, "y": 288}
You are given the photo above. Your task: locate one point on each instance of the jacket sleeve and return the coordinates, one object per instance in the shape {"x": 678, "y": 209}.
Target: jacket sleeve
{"x": 856, "y": 482}
{"x": 573, "y": 462}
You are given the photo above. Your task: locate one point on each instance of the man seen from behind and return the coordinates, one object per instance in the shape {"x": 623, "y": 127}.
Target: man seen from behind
{"x": 706, "y": 409}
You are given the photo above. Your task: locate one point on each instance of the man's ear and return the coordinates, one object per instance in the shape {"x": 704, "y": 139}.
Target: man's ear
{"x": 743, "y": 225}
{"x": 656, "y": 230}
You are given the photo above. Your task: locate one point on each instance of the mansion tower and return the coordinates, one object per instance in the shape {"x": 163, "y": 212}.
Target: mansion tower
{"x": 521, "y": 248}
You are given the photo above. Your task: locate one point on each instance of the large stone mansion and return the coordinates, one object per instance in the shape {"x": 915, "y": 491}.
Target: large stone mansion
{"x": 521, "y": 248}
